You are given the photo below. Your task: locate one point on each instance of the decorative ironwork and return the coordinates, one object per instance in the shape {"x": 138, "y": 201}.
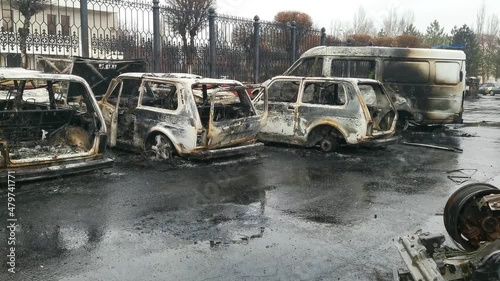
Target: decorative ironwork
{"x": 123, "y": 29}
{"x": 36, "y": 42}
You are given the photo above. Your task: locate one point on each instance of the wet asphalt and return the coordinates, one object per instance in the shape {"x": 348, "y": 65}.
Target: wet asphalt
{"x": 287, "y": 213}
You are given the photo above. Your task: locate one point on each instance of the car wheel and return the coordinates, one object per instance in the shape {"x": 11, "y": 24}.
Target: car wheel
{"x": 160, "y": 147}
{"x": 492, "y": 93}
{"x": 329, "y": 144}
{"x": 402, "y": 124}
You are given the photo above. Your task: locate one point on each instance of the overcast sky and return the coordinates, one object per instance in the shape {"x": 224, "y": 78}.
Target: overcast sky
{"x": 325, "y": 12}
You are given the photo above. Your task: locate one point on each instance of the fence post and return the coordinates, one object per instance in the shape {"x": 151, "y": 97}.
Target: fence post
{"x": 256, "y": 38}
{"x": 84, "y": 29}
{"x": 212, "y": 56}
{"x": 323, "y": 36}
{"x": 156, "y": 37}
{"x": 293, "y": 28}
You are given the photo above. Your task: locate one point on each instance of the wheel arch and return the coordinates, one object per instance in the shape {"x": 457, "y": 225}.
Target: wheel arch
{"x": 159, "y": 130}
{"x": 321, "y": 124}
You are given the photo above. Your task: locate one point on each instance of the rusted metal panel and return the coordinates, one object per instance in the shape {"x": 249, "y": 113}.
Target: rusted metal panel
{"x": 97, "y": 72}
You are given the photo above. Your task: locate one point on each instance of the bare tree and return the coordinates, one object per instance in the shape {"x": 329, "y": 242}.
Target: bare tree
{"x": 490, "y": 45}
{"x": 338, "y": 29}
{"x": 187, "y": 17}
{"x": 390, "y": 22}
{"x": 395, "y": 25}
{"x": 361, "y": 23}
{"x": 28, "y": 8}
{"x": 480, "y": 20}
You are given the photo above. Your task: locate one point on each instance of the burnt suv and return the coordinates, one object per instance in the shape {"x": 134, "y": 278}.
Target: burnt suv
{"x": 327, "y": 112}
{"x": 187, "y": 115}
{"x": 50, "y": 125}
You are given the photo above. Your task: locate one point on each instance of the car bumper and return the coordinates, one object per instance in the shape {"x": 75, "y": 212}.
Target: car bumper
{"x": 224, "y": 152}
{"x": 37, "y": 173}
{"x": 382, "y": 141}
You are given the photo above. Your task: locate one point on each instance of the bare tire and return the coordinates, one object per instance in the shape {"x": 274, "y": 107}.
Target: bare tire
{"x": 329, "y": 144}
{"x": 160, "y": 147}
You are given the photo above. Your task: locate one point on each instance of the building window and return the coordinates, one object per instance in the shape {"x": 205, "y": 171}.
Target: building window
{"x": 51, "y": 24}
{"x": 7, "y": 20}
{"x": 65, "y": 25}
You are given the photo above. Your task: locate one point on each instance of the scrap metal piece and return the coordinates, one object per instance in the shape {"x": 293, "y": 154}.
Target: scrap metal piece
{"x": 461, "y": 175}
{"x": 420, "y": 265}
{"x": 447, "y": 148}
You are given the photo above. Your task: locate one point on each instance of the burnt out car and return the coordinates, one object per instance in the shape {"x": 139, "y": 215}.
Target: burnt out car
{"x": 187, "y": 115}
{"x": 328, "y": 112}
{"x": 50, "y": 125}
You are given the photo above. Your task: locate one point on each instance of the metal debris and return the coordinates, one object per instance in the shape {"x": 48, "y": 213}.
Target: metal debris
{"x": 447, "y": 148}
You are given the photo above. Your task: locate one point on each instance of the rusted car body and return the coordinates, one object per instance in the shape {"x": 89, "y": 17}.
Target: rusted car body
{"x": 312, "y": 111}
{"x": 97, "y": 72}
{"x": 427, "y": 85}
{"x": 50, "y": 125}
{"x": 167, "y": 114}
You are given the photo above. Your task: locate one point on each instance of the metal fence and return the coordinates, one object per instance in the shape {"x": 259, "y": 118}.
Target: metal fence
{"x": 223, "y": 46}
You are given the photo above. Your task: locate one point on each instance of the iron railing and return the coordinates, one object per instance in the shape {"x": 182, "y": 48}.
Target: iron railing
{"x": 223, "y": 45}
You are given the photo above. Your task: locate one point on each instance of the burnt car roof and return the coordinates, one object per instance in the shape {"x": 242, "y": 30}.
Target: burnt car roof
{"x": 9, "y": 73}
{"x": 371, "y": 51}
{"x": 180, "y": 77}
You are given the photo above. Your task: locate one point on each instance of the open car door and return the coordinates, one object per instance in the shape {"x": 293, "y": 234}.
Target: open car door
{"x": 109, "y": 108}
{"x": 233, "y": 118}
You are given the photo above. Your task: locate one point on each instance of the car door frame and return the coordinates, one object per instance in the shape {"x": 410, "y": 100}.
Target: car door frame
{"x": 110, "y": 111}
{"x": 291, "y": 110}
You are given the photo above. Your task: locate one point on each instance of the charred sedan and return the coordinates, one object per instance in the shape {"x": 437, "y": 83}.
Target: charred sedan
{"x": 50, "y": 125}
{"x": 328, "y": 112}
{"x": 190, "y": 116}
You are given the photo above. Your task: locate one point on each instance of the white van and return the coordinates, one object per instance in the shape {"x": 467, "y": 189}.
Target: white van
{"x": 426, "y": 85}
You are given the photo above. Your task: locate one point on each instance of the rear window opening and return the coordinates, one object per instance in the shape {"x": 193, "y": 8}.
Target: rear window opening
{"x": 378, "y": 105}
{"x": 46, "y": 118}
{"x": 230, "y": 102}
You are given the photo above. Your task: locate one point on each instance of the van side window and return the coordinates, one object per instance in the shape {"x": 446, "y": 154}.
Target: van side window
{"x": 353, "y": 68}
{"x": 406, "y": 71}
{"x": 310, "y": 67}
{"x": 324, "y": 93}
{"x": 283, "y": 91}
{"x": 447, "y": 73}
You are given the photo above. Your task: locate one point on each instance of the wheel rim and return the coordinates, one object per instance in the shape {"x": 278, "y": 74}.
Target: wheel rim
{"x": 326, "y": 145}
{"x": 456, "y": 207}
{"x": 161, "y": 148}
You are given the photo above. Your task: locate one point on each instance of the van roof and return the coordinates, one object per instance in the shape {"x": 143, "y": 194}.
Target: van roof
{"x": 389, "y": 52}
{"x": 345, "y": 79}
